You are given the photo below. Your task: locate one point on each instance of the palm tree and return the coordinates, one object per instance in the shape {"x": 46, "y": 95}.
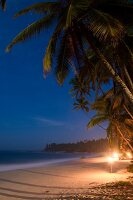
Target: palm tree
{"x": 111, "y": 106}
{"x": 81, "y": 25}
{"x": 120, "y": 124}
{"x": 81, "y": 103}
{"x": 119, "y": 101}
{"x": 80, "y": 88}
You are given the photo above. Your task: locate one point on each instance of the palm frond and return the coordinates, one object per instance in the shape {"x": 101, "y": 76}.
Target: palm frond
{"x": 63, "y": 60}
{"x": 75, "y": 8}
{"x": 117, "y": 102}
{"x": 69, "y": 16}
{"x": 81, "y": 103}
{"x": 81, "y": 5}
{"x": 31, "y": 30}
{"x": 125, "y": 8}
{"x": 47, "y": 61}
{"x": 43, "y": 7}
{"x": 99, "y": 106}
{"x": 129, "y": 122}
{"x": 80, "y": 88}
{"x": 109, "y": 94}
{"x": 98, "y": 119}
{"x": 105, "y": 27}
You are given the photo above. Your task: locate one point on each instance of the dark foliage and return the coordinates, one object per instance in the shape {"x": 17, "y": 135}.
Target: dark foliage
{"x": 3, "y": 4}
{"x": 95, "y": 146}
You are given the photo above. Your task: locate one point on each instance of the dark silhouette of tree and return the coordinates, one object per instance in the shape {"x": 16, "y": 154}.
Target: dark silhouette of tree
{"x": 93, "y": 146}
{"x": 111, "y": 108}
{"x": 83, "y": 25}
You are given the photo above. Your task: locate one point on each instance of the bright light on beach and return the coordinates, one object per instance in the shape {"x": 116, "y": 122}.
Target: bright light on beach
{"x": 115, "y": 156}
{"x": 110, "y": 159}
{"x": 129, "y": 155}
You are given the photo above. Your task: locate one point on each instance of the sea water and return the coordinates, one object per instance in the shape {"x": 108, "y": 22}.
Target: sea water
{"x": 12, "y": 160}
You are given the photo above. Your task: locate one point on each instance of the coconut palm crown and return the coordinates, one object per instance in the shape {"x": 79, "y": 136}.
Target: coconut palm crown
{"x": 80, "y": 25}
{"x": 110, "y": 108}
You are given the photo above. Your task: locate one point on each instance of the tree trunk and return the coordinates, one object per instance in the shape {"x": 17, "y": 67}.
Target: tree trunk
{"x": 115, "y": 76}
{"x": 108, "y": 66}
{"x": 124, "y": 72}
{"x": 121, "y": 134}
{"x": 128, "y": 78}
{"x": 128, "y": 49}
{"x": 128, "y": 111}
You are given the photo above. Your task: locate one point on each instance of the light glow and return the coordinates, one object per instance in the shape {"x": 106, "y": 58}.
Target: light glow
{"x": 129, "y": 155}
{"x": 115, "y": 156}
{"x": 110, "y": 159}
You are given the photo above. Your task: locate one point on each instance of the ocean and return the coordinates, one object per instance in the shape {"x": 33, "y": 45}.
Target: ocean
{"x": 12, "y": 160}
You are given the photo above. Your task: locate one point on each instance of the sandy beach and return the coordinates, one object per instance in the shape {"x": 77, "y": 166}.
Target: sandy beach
{"x": 51, "y": 181}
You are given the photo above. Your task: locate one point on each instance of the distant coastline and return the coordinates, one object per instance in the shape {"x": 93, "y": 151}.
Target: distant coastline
{"x": 87, "y": 146}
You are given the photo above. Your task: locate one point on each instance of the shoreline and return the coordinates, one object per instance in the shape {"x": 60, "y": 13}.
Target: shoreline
{"x": 13, "y": 167}
{"x": 42, "y": 163}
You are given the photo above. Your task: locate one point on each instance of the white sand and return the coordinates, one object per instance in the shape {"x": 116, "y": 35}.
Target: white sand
{"x": 68, "y": 177}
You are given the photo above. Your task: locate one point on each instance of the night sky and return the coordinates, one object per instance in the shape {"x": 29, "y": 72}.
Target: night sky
{"x": 33, "y": 111}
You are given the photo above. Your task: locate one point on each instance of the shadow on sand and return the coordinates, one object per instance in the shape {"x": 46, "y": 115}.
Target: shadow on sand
{"x": 45, "y": 173}
{"x": 34, "y": 185}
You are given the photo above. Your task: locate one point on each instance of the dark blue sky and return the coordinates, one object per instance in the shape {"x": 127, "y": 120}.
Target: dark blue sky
{"x": 33, "y": 111}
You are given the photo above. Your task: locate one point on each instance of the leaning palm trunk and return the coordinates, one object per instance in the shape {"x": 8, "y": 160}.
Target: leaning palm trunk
{"x": 128, "y": 78}
{"x": 129, "y": 50}
{"x": 128, "y": 111}
{"x": 121, "y": 134}
{"x": 108, "y": 66}
{"x": 115, "y": 76}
